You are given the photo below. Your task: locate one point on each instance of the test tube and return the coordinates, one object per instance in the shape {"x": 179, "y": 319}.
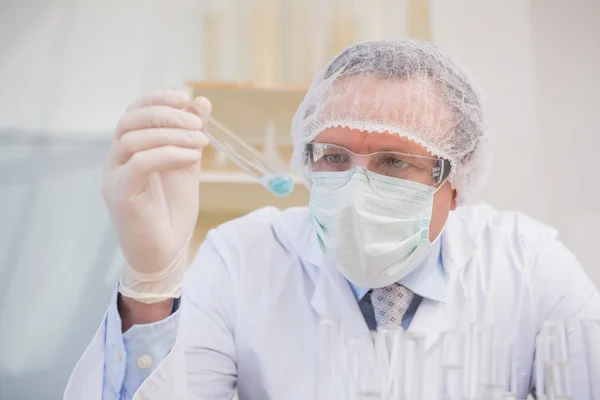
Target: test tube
{"x": 473, "y": 361}
{"x": 368, "y": 375}
{"x": 328, "y": 360}
{"x": 553, "y": 354}
{"x": 506, "y": 368}
{"x": 388, "y": 347}
{"x": 489, "y": 366}
{"x": 387, "y": 339}
{"x": 414, "y": 350}
{"x": 591, "y": 340}
{"x": 540, "y": 368}
{"x": 511, "y": 381}
{"x": 352, "y": 348}
{"x": 398, "y": 366}
{"x": 492, "y": 363}
{"x": 558, "y": 359}
{"x": 453, "y": 353}
{"x": 272, "y": 177}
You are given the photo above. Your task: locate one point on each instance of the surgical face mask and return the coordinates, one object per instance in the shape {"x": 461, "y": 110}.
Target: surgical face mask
{"x": 374, "y": 228}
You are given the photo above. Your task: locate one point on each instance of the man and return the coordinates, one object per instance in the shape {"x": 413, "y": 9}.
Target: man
{"x": 391, "y": 141}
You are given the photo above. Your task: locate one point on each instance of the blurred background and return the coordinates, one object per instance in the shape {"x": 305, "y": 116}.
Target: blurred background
{"x": 68, "y": 68}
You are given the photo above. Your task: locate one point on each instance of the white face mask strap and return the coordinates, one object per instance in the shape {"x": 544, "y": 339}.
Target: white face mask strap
{"x": 441, "y": 184}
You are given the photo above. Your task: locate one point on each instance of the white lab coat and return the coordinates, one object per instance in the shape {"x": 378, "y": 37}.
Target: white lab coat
{"x": 255, "y": 292}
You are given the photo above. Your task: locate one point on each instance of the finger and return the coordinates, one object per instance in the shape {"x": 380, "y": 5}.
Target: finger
{"x": 168, "y": 98}
{"x": 160, "y": 159}
{"x": 200, "y": 106}
{"x": 144, "y": 139}
{"x": 157, "y": 117}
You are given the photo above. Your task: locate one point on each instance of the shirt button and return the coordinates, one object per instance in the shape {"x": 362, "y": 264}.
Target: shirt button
{"x": 116, "y": 355}
{"x": 144, "y": 361}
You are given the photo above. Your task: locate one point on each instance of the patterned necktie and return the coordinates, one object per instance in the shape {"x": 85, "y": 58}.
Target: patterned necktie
{"x": 390, "y": 303}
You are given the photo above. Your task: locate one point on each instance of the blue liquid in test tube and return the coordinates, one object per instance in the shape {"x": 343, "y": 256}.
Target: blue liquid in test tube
{"x": 271, "y": 176}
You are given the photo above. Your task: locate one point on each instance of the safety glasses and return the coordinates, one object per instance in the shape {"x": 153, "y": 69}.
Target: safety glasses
{"x": 324, "y": 157}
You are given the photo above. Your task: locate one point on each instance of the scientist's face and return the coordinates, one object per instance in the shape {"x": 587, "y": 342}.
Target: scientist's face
{"x": 361, "y": 142}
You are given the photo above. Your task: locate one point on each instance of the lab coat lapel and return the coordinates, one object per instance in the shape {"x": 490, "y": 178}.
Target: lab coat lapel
{"x": 432, "y": 317}
{"x": 333, "y": 299}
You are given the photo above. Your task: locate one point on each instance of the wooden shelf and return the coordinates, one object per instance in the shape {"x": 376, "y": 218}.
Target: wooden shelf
{"x": 228, "y": 195}
{"x": 226, "y": 191}
{"x": 239, "y": 193}
{"x": 226, "y": 188}
{"x": 247, "y": 108}
{"x": 213, "y": 161}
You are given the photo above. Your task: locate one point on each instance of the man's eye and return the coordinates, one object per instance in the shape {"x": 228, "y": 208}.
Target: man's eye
{"x": 333, "y": 158}
{"x": 398, "y": 163}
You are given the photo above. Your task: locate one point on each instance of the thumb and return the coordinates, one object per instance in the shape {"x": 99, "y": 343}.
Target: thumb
{"x": 202, "y": 107}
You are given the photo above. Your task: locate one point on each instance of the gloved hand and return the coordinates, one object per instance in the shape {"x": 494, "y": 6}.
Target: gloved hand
{"x": 151, "y": 188}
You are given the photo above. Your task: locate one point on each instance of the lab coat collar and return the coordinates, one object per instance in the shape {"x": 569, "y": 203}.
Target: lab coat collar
{"x": 458, "y": 241}
{"x": 333, "y": 298}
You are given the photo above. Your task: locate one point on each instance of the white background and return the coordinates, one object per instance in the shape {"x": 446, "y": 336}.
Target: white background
{"x": 69, "y": 67}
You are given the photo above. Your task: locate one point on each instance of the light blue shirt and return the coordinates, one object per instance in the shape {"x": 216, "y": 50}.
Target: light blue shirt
{"x": 123, "y": 376}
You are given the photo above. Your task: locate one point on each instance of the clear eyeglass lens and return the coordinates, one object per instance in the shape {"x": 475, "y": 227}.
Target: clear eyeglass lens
{"x": 324, "y": 157}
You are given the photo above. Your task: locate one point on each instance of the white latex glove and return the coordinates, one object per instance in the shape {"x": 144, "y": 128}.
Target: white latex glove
{"x": 151, "y": 188}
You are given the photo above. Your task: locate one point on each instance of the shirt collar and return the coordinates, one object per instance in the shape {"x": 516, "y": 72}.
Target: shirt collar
{"x": 427, "y": 280}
